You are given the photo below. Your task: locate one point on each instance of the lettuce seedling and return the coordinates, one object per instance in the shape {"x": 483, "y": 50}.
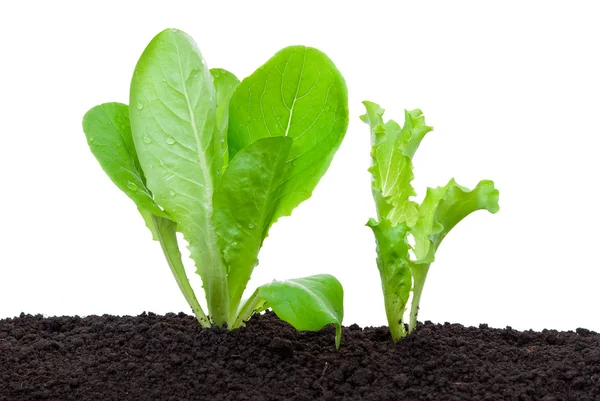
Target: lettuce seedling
{"x": 393, "y": 148}
{"x": 219, "y": 161}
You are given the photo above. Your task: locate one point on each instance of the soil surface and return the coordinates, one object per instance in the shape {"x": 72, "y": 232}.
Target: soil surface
{"x": 152, "y": 357}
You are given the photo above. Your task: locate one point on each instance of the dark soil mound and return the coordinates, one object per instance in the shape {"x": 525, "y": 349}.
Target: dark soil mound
{"x": 153, "y": 357}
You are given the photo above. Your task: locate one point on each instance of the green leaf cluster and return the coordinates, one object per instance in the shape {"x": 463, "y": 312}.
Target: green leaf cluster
{"x": 393, "y": 147}
{"x": 220, "y": 161}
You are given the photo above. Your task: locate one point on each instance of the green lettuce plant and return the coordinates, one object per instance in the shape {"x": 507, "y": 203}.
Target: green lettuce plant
{"x": 393, "y": 148}
{"x": 220, "y": 161}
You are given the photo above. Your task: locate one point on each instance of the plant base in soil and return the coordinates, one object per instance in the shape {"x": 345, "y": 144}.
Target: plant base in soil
{"x": 152, "y": 357}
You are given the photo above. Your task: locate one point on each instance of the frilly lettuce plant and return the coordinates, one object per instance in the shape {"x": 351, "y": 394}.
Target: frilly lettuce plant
{"x": 220, "y": 161}
{"x": 393, "y": 148}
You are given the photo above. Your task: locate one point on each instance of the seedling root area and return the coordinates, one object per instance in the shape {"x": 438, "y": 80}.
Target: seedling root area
{"x": 171, "y": 358}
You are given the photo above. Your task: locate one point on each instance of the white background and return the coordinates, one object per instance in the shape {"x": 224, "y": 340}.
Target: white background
{"x": 512, "y": 89}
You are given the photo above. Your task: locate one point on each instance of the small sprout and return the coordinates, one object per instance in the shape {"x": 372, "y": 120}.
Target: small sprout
{"x": 393, "y": 148}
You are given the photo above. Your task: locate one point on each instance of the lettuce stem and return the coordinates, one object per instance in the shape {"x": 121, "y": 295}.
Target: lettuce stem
{"x": 251, "y": 305}
{"x": 395, "y": 320}
{"x": 166, "y": 235}
{"x": 214, "y": 279}
{"x": 419, "y": 275}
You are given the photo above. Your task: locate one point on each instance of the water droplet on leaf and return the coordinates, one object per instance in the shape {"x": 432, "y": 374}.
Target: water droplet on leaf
{"x": 147, "y": 139}
{"x": 251, "y": 226}
{"x": 139, "y": 105}
{"x": 169, "y": 140}
{"x": 132, "y": 186}
{"x": 171, "y": 192}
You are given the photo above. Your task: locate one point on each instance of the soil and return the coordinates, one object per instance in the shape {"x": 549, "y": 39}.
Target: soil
{"x": 153, "y": 357}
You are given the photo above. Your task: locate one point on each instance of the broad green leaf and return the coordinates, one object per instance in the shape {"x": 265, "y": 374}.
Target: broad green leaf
{"x": 109, "y": 136}
{"x": 245, "y": 202}
{"x": 443, "y": 208}
{"x": 225, "y": 85}
{"x": 298, "y": 93}
{"x": 173, "y": 116}
{"x": 308, "y": 303}
{"x": 394, "y": 266}
{"x": 392, "y": 150}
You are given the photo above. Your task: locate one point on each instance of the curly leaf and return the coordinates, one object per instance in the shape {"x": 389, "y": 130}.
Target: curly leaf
{"x": 443, "y": 208}
{"x": 413, "y": 131}
{"x": 391, "y": 168}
